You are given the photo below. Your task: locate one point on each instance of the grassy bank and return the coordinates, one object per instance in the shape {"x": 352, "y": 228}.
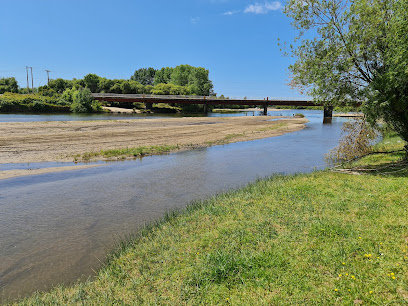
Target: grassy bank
{"x": 320, "y": 238}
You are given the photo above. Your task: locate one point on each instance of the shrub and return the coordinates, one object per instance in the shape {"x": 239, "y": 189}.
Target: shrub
{"x": 83, "y": 102}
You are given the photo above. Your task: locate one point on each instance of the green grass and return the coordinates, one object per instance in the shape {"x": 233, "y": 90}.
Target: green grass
{"x": 126, "y": 152}
{"x": 323, "y": 238}
{"x": 386, "y": 158}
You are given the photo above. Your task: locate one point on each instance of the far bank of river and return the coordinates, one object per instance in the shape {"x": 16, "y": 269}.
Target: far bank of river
{"x": 57, "y": 227}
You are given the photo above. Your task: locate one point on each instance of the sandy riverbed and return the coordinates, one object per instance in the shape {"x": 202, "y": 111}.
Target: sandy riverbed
{"x": 24, "y": 142}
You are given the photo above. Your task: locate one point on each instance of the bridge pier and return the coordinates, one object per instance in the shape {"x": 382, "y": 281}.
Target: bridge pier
{"x": 148, "y": 105}
{"x": 205, "y": 111}
{"x": 327, "y": 114}
{"x": 265, "y": 107}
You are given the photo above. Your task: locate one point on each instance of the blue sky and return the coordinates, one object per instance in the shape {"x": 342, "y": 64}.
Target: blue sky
{"x": 237, "y": 40}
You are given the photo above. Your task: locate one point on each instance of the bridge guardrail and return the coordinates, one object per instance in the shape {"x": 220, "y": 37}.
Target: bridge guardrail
{"x": 187, "y": 97}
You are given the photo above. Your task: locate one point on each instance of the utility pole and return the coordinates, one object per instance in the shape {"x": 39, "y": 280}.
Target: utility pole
{"x": 28, "y": 84}
{"x": 32, "y": 80}
{"x": 48, "y": 75}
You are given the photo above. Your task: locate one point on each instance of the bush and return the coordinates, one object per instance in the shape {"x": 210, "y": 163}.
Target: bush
{"x": 83, "y": 102}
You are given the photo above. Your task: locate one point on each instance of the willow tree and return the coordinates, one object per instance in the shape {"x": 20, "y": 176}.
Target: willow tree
{"x": 354, "y": 51}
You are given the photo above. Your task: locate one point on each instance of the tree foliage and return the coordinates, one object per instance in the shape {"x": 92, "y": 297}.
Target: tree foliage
{"x": 92, "y": 82}
{"x": 8, "y": 85}
{"x": 349, "y": 52}
{"x": 144, "y": 76}
{"x": 163, "y": 76}
{"x": 196, "y": 79}
{"x": 83, "y": 102}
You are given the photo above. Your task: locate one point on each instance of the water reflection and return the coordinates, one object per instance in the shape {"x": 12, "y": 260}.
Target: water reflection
{"x": 58, "y": 226}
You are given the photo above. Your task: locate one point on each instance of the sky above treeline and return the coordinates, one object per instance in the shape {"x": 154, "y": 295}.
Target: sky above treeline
{"x": 237, "y": 40}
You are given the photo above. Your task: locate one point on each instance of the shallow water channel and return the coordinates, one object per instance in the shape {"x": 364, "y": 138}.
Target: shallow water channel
{"x": 58, "y": 227}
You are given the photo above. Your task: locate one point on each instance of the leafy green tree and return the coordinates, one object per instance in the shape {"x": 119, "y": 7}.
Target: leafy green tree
{"x": 389, "y": 99}
{"x": 349, "y": 52}
{"x": 92, "y": 82}
{"x": 148, "y": 89}
{"x": 131, "y": 87}
{"x": 67, "y": 97}
{"x": 105, "y": 84}
{"x": 144, "y": 76}
{"x": 180, "y": 75}
{"x": 199, "y": 81}
{"x": 163, "y": 76}
{"x": 8, "y": 85}
{"x": 196, "y": 78}
{"x": 59, "y": 85}
{"x": 170, "y": 89}
{"x": 78, "y": 83}
{"x": 47, "y": 91}
{"x": 83, "y": 102}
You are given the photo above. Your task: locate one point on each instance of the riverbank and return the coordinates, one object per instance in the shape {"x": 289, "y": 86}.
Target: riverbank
{"x": 27, "y": 142}
{"x": 320, "y": 238}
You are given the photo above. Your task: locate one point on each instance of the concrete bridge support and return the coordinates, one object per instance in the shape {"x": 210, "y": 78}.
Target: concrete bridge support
{"x": 148, "y": 105}
{"x": 265, "y": 107}
{"x": 205, "y": 108}
{"x": 327, "y": 114}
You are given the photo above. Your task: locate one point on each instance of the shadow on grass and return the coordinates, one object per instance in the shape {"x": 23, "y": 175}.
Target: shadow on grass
{"x": 384, "y": 164}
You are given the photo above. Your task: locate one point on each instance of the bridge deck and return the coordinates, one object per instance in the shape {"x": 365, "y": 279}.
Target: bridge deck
{"x": 197, "y": 100}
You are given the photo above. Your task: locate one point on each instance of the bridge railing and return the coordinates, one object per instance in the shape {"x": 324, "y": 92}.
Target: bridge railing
{"x": 186, "y": 97}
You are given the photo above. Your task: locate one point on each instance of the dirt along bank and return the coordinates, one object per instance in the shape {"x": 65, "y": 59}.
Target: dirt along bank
{"x": 28, "y": 142}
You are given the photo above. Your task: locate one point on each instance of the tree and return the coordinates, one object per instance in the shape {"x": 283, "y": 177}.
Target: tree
{"x": 180, "y": 75}
{"x": 349, "y": 52}
{"x": 144, "y": 76}
{"x": 83, "y": 102}
{"x": 163, "y": 76}
{"x": 199, "y": 82}
{"x": 92, "y": 82}
{"x": 8, "y": 85}
{"x": 67, "y": 97}
{"x": 59, "y": 85}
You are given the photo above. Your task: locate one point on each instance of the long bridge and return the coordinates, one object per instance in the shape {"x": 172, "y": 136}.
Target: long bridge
{"x": 148, "y": 100}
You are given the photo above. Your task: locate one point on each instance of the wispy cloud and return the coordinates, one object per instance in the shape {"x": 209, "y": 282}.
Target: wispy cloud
{"x": 194, "y": 20}
{"x": 229, "y": 13}
{"x": 263, "y": 8}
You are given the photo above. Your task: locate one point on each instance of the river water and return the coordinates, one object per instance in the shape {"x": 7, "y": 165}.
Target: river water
{"x": 58, "y": 227}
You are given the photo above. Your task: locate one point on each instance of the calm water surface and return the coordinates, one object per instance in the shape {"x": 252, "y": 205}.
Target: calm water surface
{"x": 57, "y": 227}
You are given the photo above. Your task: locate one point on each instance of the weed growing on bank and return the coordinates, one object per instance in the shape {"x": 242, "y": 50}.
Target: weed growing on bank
{"x": 123, "y": 153}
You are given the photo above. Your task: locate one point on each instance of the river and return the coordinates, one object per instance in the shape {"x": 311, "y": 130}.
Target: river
{"x": 57, "y": 227}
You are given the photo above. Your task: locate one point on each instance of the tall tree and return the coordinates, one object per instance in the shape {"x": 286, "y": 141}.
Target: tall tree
{"x": 356, "y": 51}
{"x": 144, "y": 76}
{"x": 59, "y": 85}
{"x": 8, "y": 85}
{"x": 163, "y": 76}
{"x": 180, "y": 75}
{"x": 92, "y": 82}
{"x": 199, "y": 81}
